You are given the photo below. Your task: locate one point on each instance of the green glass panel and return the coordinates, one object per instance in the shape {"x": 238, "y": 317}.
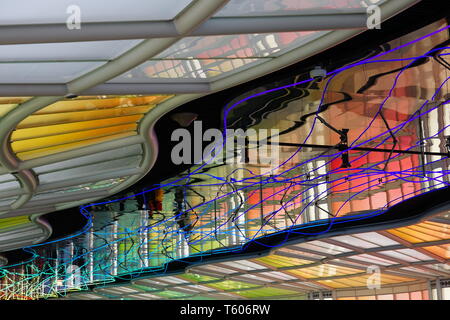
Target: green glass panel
{"x": 197, "y": 278}
{"x": 170, "y": 294}
{"x": 232, "y": 285}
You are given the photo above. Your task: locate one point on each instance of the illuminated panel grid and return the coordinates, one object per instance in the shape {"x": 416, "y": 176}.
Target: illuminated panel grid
{"x": 213, "y": 229}
{"x": 68, "y": 125}
{"x": 213, "y": 56}
{"x": 339, "y": 246}
{"x": 424, "y": 232}
{"x": 296, "y": 270}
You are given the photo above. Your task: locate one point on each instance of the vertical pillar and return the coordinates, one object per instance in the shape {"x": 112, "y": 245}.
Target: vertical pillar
{"x": 430, "y": 290}
{"x": 334, "y": 294}
{"x": 438, "y": 289}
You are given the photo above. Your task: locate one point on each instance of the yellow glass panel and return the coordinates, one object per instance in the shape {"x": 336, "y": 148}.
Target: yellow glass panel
{"x": 5, "y": 108}
{"x": 9, "y": 103}
{"x": 277, "y": 261}
{"x": 30, "y": 133}
{"x": 66, "y": 147}
{"x": 351, "y": 282}
{"x": 60, "y": 118}
{"x": 389, "y": 278}
{"x": 101, "y": 103}
{"x": 80, "y": 122}
{"x": 44, "y": 142}
{"x": 13, "y": 222}
{"x": 340, "y": 284}
{"x": 323, "y": 271}
{"x": 13, "y": 100}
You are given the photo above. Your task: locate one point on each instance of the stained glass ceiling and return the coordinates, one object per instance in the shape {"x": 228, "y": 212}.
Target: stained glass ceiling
{"x": 230, "y": 207}
{"x": 77, "y": 97}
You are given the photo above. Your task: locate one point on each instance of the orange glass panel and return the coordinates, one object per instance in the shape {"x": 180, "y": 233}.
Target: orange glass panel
{"x": 426, "y": 230}
{"x": 417, "y": 295}
{"x": 361, "y": 281}
{"x": 402, "y": 296}
{"x": 405, "y": 236}
{"x": 367, "y": 298}
{"x": 422, "y": 232}
{"x": 442, "y": 251}
{"x": 385, "y": 297}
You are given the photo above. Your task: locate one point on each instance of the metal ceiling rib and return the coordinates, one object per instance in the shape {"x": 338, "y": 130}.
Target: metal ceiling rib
{"x": 21, "y": 235}
{"x": 94, "y": 31}
{"x": 194, "y": 18}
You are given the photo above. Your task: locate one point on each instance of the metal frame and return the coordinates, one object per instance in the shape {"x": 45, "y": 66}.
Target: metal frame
{"x": 303, "y": 286}
{"x": 98, "y": 31}
{"x": 192, "y": 19}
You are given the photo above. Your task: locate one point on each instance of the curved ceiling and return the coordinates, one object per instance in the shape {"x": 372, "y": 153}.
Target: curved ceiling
{"x": 333, "y": 266}
{"x": 78, "y": 105}
{"x": 312, "y": 262}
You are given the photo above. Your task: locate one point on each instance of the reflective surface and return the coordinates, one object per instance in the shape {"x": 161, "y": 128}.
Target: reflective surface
{"x": 394, "y": 107}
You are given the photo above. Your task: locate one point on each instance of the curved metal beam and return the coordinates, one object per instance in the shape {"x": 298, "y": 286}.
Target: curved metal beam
{"x": 100, "y": 31}
{"x": 36, "y": 89}
{"x": 29, "y": 182}
{"x": 196, "y": 13}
